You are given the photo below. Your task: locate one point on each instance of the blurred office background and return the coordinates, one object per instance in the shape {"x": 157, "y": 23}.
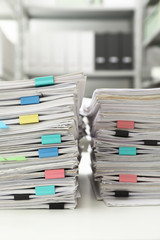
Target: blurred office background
{"x": 116, "y": 43}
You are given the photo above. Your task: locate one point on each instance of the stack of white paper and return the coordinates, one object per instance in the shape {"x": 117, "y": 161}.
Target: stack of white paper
{"x": 125, "y": 132}
{"x": 39, "y": 133}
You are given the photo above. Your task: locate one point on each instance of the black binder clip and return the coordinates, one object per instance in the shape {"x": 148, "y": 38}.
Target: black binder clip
{"x": 21, "y": 196}
{"x": 151, "y": 142}
{"x": 56, "y": 205}
{"x": 121, "y": 133}
{"x": 121, "y": 193}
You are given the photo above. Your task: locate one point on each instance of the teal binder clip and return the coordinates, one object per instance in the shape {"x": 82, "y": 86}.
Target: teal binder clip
{"x": 51, "y": 139}
{"x": 127, "y": 151}
{"x": 44, "y": 81}
{"x": 3, "y": 125}
{"x": 45, "y": 190}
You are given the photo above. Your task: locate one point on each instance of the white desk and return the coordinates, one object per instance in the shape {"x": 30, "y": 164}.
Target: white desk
{"x": 92, "y": 220}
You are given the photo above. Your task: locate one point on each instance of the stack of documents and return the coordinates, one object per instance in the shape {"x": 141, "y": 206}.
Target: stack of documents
{"x": 125, "y": 130}
{"x": 39, "y": 133}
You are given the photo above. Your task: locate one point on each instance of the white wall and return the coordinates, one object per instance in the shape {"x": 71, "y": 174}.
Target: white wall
{"x": 9, "y": 27}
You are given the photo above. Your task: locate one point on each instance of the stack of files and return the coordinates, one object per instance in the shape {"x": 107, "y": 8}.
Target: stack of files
{"x": 125, "y": 131}
{"x": 39, "y": 134}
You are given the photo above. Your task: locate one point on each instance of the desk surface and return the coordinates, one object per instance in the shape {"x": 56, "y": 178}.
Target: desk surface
{"x": 92, "y": 220}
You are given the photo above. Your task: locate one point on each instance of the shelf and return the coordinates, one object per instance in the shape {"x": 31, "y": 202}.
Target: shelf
{"x": 7, "y": 10}
{"x": 151, "y": 84}
{"x": 109, "y": 73}
{"x": 152, "y": 27}
{"x": 6, "y": 77}
{"x": 146, "y": 84}
{"x": 153, "y": 40}
{"x": 34, "y": 11}
{"x": 150, "y": 2}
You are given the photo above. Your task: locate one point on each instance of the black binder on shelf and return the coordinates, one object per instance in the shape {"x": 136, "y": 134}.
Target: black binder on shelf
{"x": 126, "y": 59}
{"x": 100, "y": 52}
{"x": 112, "y": 51}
